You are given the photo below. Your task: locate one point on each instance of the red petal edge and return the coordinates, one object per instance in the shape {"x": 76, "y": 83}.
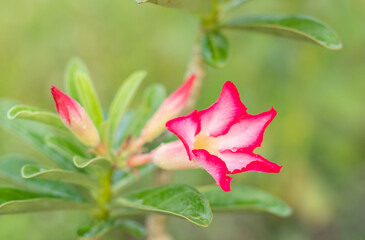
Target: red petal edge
{"x": 215, "y": 167}
{"x": 185, "y": 128}
{"x": 238, "y": 162}
{"x": 219, "y": 117}
{"x": 64, "y": 104}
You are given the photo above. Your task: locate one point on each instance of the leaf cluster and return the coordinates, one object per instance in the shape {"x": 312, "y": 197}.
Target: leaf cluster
{"x": 215, "y": 18}
{"x": 75, "y": 177}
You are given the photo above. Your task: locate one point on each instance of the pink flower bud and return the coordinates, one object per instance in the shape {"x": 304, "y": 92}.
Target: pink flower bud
{"x": 75, "y": 118}
{"x": 170, "y": 108}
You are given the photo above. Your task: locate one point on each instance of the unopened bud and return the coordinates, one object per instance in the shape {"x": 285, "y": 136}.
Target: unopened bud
{"x": 169, "y": 109}
{"x": 75, "y": 118}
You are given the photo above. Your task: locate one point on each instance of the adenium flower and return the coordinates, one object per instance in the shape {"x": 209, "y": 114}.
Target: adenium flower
{"x": 220, "y": 139}
{"x": 75, "y": 118}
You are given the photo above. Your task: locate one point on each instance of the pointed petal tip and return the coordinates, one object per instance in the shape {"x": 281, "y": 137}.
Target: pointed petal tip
{"x": 227, "y": 110}
{"x": 192, "y": 77}
{"x": 54, "y": 89}
{"x": 226, "y": 184}
{"x": 273, "y": 111}
{"x": 215, "y": 166}
{"x": 56, "y": 92}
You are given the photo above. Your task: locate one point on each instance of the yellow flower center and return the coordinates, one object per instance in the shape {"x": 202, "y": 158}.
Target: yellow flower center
{"x": 203, "y": 141}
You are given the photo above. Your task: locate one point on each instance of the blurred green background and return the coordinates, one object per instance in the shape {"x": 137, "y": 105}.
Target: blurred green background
{"x": 318, "y": 134}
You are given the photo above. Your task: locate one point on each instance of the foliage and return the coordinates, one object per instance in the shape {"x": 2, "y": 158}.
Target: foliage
{"x": 77, "y": 177}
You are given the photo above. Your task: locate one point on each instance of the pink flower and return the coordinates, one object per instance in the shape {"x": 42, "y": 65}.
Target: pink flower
{"x": 221, "y": 138}
{"x": 75, "y": 118}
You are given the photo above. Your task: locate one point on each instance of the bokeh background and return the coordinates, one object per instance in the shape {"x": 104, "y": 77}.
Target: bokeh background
{"x": 318, "y": 134}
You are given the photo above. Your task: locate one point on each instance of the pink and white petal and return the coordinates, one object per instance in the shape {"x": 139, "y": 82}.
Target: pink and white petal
{"x": 218, "y": 118}
{"x": 185, "y": 128}
{"x": 238, "y": 162}
{"x": 172, "y": 156}
{"x": 247, "y": 134}
{"x": 215, "y": 167}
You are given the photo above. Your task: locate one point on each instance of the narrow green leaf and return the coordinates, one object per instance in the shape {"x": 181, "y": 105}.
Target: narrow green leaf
{"x": 201, "y": 7}
{"x": 36, "y": 114}
{"x": 88, "y": 97}
{"x": 179, "y": 200}
{"x": 242, "y": 198}
{"x": 20, "y": 201}
{"x": 10, "y": 194}
{"x": 67, "y": 146}
{"x": 294, "y": 26}
{"x": 101, "y": 228}
{"x": 215, "y": 49}
{"x": 32, "y": 132}
{"x": 152, "y": 98}
{"x": 128, "y": 178}
{"x": 34, "y": 171}
{"x": 73, "y": 67}
{"x": 98, "y": 162}
{"x": 122, "y": 100}
{"x": 10, "y": 175}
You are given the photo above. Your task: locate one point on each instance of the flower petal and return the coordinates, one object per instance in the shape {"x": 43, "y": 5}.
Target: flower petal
{"x": 186, "y": 128}
{"x": 215, "y": 167}
{"x": 238, "y": 162}
{"x": 218, "y": 118}
{"x": 247, "y": 134}
{"x": 172, "y": 156}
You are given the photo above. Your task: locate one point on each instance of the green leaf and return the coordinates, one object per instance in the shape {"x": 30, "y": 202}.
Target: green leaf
{"x": 32, "y": 132}
{"x": 128, "y": 178}
{"x": 179, "y": 200}
{"x": 294, "y": 26}
{"x": 152, "y": 98}
{"x": 242, "y": 198}
{"x": 201, "y": 7}
{"x": 98, "y": 162}
{"x": 121, "y": 102}
{"x": 101, "y": 228}
{"x": 74, "y": 66}
{"x": 10, "y": 175}
{"x": 67, "y": 146}
{"x": 34, "y": 171}
{"x": 36, "y": 114}
{"x": 88, "y": 97}
{"x": 215, "y": 49}
{"x": 20, "y": 201}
